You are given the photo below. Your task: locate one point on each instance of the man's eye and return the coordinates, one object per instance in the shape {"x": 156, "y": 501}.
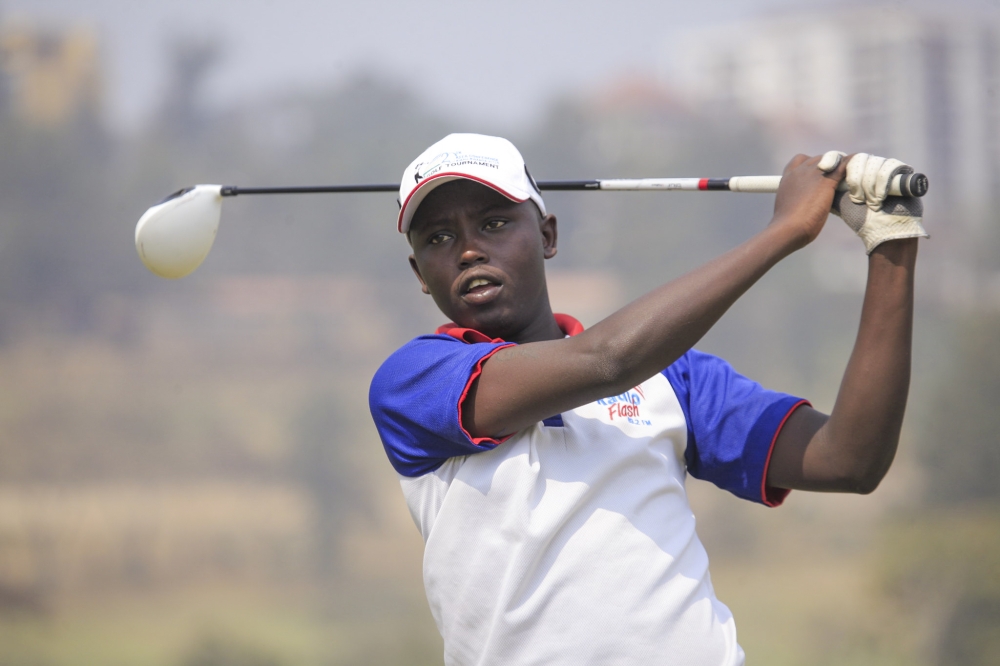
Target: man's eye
{"x": 494, "y": 224}
{"x": 437, "y": 239}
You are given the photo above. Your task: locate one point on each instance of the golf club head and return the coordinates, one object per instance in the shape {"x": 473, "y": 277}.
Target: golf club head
{"x": 174, "y": 236}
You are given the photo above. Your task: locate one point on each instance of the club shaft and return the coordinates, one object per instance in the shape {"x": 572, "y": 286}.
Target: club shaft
{"x": 902, "y": 185}
{"x": 233, "y": 190}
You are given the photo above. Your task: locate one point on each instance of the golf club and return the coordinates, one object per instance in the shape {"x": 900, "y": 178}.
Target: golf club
{"x": 174, "y": 236}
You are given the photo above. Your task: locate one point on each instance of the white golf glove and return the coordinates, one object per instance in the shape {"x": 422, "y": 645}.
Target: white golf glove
{"x": 867, "y": 207}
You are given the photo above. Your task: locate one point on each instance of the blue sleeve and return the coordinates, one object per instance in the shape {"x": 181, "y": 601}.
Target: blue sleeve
{"x": 415, "y": 401}
{"x": 732, "y": 423}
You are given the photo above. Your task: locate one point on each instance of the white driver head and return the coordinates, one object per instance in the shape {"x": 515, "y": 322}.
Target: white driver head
{"x": 174, "y": 236}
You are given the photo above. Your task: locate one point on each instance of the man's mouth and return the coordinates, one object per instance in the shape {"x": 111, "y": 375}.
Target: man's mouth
{"x": 481, "y": 290}
{"x": 478, "y": 284}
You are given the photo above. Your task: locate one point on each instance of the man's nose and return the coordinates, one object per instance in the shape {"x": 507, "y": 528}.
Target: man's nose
{"x": 472, "y": 254}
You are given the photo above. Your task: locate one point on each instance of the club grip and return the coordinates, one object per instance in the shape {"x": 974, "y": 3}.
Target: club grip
{"x": 761, "y": 184}
{"x": 902, "y": 185}
{"x": 909, "y": 185}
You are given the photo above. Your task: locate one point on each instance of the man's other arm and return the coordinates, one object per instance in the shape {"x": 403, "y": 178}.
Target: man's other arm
{"x": 851, "y": 449}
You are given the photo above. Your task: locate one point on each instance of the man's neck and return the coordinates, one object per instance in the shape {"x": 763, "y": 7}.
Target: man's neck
{"x": 544, "y": 327}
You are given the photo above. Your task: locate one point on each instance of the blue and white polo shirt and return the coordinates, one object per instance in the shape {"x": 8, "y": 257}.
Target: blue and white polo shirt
{"x": 572, "y": 541}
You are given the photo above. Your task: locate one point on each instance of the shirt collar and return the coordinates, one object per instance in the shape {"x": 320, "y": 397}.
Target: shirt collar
{"x": 569, "y": 325}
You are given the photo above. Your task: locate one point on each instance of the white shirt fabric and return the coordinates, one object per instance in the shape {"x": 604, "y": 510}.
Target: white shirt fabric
{"x": 573, "y": 545}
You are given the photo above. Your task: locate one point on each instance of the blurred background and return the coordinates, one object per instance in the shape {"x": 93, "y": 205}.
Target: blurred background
{"x": 189, "y": 475}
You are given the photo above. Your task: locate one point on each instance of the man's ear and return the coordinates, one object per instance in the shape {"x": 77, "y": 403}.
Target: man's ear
{"x": 550, "y": 234}
{"x": 416, "y": 271}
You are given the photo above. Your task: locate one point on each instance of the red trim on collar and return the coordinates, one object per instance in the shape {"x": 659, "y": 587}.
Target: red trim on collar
{"x": 568, "y": 325}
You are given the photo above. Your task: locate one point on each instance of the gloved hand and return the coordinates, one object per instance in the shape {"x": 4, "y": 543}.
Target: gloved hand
{"x": 866, "y": 206}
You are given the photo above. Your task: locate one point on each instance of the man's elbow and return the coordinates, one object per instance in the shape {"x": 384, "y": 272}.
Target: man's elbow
{"x": 863, "y": 479}
{"x": 612, "y": 367}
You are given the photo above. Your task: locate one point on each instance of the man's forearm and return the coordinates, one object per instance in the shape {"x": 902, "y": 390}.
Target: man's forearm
{"x": 868, "y": 414}
{"x": 851, "y": 451}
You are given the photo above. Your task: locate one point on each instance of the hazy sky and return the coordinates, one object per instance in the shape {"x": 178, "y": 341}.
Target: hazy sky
{"x": 495, "y": 61}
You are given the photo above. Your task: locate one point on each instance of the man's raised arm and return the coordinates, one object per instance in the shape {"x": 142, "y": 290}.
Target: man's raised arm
{"x": 524, "y": 384}
{"x": 851, "y": 450}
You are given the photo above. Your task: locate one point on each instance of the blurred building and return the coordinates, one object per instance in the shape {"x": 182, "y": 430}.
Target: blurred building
{"x": 49, "y": 77}
{"x": 192, "y": 59}
{"x": 892, "y": 80}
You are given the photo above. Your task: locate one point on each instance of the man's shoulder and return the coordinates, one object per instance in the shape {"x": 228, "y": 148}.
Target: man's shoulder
{"x": 423, "y": 344}
{"x": 692, "y": 358}
{"x": 434, "y": 353}
{"x": 415, "y": 400}
{"x": 421, "y": 349}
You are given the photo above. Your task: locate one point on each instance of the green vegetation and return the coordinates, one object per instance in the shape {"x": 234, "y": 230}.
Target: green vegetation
{"x": 962, "y": 428}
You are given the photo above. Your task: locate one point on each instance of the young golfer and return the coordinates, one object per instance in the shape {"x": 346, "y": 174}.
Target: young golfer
{"x": 544, "y": 464}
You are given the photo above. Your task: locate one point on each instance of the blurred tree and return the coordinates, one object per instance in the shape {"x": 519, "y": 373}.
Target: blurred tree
{"x": 322, "y": 462}
{"x": 219, "y": 651}
{"x": 54, "y": 220}
{"x": 972, "y": 636}
{"x": 943, "y": 568}
{"x": 364, "y": 131}
{"x": 629, "y": 133}
{"x": 943, "y": 563}
{"x": 961, "y": 426}
{"x": 4, "y": 87}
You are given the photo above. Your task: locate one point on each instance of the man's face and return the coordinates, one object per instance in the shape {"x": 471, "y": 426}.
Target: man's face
{"x": 481, "y": 257}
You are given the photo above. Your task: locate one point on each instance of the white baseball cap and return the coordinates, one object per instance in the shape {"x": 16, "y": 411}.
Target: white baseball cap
{"x": 489, "y": 160}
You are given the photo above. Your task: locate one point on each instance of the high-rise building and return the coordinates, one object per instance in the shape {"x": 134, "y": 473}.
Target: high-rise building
{"x": 920, "y": 85}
